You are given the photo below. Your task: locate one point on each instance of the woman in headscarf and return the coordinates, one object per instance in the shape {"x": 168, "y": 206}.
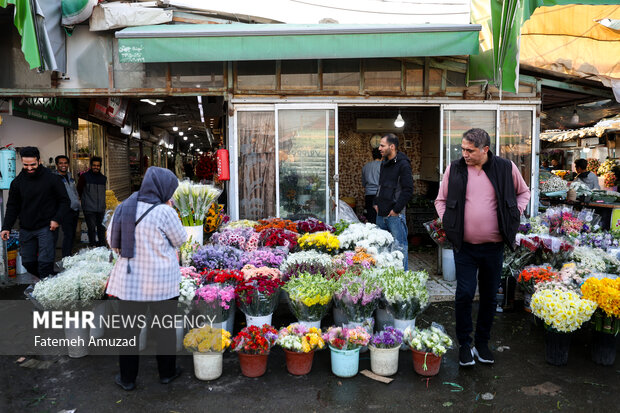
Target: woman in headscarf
{"x": 146, "y": 231}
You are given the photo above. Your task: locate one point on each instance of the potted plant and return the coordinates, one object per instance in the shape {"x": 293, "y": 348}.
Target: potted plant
{"x": 258, "y": 297}
{"x": 427, "y": 348}
{"x": 562, "y": 313}
{"x": 207, "y": 345}
{"x": 384, "y": 348}
{"x": 252, "y": 344}
{"x": 606, "y": 319}
{"x": 344, "y": 345}
{"x": 299, "y": 343}
{"x": 310, "y": 296}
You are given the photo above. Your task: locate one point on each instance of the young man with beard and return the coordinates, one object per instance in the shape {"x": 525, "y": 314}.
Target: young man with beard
{"x": 39, "y": 199}
{"x": 91, "y": 187}
{"x": 69, "y": 221}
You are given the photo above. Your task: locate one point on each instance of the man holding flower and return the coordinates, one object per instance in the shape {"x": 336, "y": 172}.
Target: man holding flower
{"x": 480, "y": 202}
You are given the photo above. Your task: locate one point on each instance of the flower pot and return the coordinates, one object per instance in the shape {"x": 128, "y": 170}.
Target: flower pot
{"x": 603, "y": 348}
{"x": 196, "y": 232}
{"x": 208, "y": 366}
{"x": 383, "y": 318}
{"x": 298, "y": 364}
{"x": 253, "y": 365}
{"x": 425, "y": 364}
{"x": 402, "y": 325}
{"x": 99, "y": 312}
{"x": 345, "y": 363}
{"x": 384, "y": 361}
{"x": 448, "y": 267}
{"x": 258, "y": 321}
{"x": 310, "y": 324}
{"x": 527, "y": 301}
{"x": 556, "y": 347}
{"x": 79, "y": 338}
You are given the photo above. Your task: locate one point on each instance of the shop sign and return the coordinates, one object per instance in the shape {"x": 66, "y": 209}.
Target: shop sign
{"x": 112, "y": 109}
{"x": 57, "y": 111}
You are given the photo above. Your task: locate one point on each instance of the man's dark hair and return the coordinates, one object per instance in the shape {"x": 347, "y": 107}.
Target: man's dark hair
{"x": 375, "y": 153}
{"x": 30, "y": 152}
{"x": 479, "y": 137}
{"x": 581, "y": 164}
{"x": 391, "y": 139}
{"x": 59, "y": 157}
{"x": 95, "y": 159}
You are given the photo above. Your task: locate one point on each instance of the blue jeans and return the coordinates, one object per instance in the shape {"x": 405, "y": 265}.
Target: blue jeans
{"x": 486, "y": 259}
{"x": 397, "y": 226}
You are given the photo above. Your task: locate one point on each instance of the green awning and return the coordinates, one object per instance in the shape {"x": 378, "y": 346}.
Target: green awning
{"x": 232, "y": 42}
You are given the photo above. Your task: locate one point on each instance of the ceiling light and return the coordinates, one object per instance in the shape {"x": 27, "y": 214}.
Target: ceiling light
{"x": 575, "y": 118}
{"x": 190, "y": 128}
{"x": 191, "y": 144}
{"x": 166, "y": 114}
{"x": 184, "y": 138}
{"x": 152, "y": 101}
{"x": 399, "y": 122}
{"x": 181, "y": 133}
{"x": 175, "y": 128}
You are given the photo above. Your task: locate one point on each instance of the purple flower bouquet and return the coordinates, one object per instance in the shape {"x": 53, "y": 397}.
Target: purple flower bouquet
{"x": 390, "y": 337}
{"x": 357, "y": 297}
{"x": 213, "y": 257}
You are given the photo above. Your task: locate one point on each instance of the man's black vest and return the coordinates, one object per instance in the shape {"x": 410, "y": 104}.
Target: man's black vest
{"x": 499, "y": 172}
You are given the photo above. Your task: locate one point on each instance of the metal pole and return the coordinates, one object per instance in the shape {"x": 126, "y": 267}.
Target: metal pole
{"x": 4, "y": 277}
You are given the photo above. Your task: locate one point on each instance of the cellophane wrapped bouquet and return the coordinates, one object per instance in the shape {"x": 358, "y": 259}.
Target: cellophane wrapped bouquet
{"x": 310, "y": 296}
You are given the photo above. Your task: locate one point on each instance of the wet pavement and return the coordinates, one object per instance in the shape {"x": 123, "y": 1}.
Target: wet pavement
{"x": 520, "y": 380}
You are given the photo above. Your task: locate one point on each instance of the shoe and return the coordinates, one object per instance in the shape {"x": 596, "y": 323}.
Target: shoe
{"x": 124, "y": 386}
{"x": 484, "y": 355}
{"x": 176, "y": 374}
{"x": 466, "y": 356}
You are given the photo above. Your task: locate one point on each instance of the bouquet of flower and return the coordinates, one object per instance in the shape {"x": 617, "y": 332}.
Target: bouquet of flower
{"x": 599, "y": 240}
{"x": 606, "y": 167}
{"x": 609, "y": 179}
{"x": 321, "y": 241}
{"x": 192, "y": 201}
{"x": 258, "y": 296}
{"x": 305, "y": 258}
{"x": 206, "y": 167}
{"x": 206, "y": 339}
{"x": 606, "y": 294}
{"x": 212, "y": 257}
{"x": 312, "y": 225}
{"x": 279, "y": 237}
{"x": 244, "y": 238}
{"x": 429, "y": 340}
{"x": 215, "y": 218}
{"x": 263, "y": 257}
{"x": 229, "y": 277}
{"x": 357, "y": 296}
{"x": 389, "y": 337}
{"x": 568, "y": 279}
{"x": 300, "y": 339}
{"x": 309, "y": 296}
{"x": 96, "y": 259}
{"x": 214, "y": 300}
{"x": 593, "y": 165}
{"x": 187, "y": 251}
{"x": 581, "y": 188}
{"x": 250, "y": 271}
{"x": 561, "y": 310}
{"x": 341, "y": 226}
{"x": 391, "y": 259}
{"x": 264, "y": 224}
{"x": 553, "y": 184}
{"x": 255, "y": 340}
{"x": 343, "y": 338}
{"x": 437, "y": 233}
{"x": 404, "y": 293}
{"x": 560, "y": 172}
{"x": 73, "y": 289}
{"x": 242, "y": 223}
{"x": 571, "y": 224}
{"x": 595, "y": 260}
{"x": 533, "y": 275}
{"x": 187, "y": 291}
{"x": 367, "y": 236}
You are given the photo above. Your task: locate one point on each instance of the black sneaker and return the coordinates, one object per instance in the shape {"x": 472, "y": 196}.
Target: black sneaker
{"x": 466, "y": 356}
{"x": 123, "y": 385}
{"x": 484, "y": 355}
{"x": 176, "y": 374}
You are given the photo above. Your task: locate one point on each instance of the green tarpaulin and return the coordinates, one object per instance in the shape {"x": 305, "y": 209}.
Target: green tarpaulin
{"x": 24, "y": 22}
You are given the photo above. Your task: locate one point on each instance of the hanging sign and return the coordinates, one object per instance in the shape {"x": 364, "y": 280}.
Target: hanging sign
{"x": 57, "y": 111}
{"x": 112, "y": 110}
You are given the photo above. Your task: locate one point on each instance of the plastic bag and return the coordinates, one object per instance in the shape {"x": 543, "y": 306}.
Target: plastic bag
{"x": 437, "y": 233}
{"x": 346, "y": 213}
{"x": 304, "y": 313}
{"x": 107, "y": 217}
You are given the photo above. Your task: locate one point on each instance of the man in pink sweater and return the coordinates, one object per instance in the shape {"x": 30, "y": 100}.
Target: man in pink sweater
{"x": 480, "y": 201}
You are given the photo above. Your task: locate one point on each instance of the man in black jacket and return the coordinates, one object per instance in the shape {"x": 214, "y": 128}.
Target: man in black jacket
{"x": 395, "y": 191}
{"x": 91, "y": 188}
{"x": 39, "y": 199}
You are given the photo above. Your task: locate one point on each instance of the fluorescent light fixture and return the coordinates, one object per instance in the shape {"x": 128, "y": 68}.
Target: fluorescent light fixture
{"x": 202, "y": 115}
{"x": 399, "y": 122}
{"x": 166, "y": 114}
{"x": 152, "y": 101}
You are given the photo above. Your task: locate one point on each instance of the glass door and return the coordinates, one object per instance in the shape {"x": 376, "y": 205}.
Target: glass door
{"x": 307, "y": 161}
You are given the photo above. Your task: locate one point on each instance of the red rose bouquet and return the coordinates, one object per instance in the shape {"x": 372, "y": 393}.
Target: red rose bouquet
{"x": 228, "y": 277}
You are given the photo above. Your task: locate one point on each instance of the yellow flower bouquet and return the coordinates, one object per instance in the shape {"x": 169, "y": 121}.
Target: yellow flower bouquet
{"x": 606, "y": 294}
{"x": 561, "y": 311}
{"x": 300, "y": 339}
{"x": 321, "y": 241}
{"x": 310, "y": 296}
{"x": 207, "y": 339}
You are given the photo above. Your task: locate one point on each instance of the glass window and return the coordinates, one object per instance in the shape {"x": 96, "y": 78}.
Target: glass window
{"x": 197, "y": 74}
{"x": 515, "y": 141}
{"x": 256, "y": 75}
{"x": 257, "y": 164}
{"x": 341, "y": 74}
{"x": 415, "y": 78}
{"x": 87, "y": 142}
{"x": 457, "y": 122}
{"x": 299, "y": 74}
{"x": 382, "y": 74}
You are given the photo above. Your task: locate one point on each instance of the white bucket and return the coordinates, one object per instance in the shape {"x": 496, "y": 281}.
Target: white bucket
{"x": 258, "y": 321}
{"x": 447, "y": 264}
{"x": 196, "y": 232}
{"x": 80, "y": 337}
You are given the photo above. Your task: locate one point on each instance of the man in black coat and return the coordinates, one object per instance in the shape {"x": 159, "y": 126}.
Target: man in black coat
{"x": 39, "y": 199}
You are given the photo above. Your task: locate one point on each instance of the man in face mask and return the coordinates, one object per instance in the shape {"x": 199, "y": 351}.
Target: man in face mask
{"x": 39, "y": 199}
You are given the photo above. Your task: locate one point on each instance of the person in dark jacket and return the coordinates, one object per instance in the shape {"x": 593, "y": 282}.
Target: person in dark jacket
{"x": 480, "y": 202}
{"x": 91, "y": 188}
{"x": 370, "y": 182}
{"x": 39, "y": 199}
{"x": 395, "y": 191}
{"x": 69, "y": 221}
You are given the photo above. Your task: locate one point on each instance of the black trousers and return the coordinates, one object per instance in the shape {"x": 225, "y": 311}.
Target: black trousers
{"x": 165, "y": 336}
{"x": 94, "y": 223}
{"x": 371, "y": 214}
{"x": 68, "y": 225}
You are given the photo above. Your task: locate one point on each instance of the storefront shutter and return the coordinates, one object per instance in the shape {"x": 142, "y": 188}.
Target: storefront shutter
{"x": 118, "y": 167}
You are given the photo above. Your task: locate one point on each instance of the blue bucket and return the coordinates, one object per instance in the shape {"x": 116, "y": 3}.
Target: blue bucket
{"x": 345, "y": 363}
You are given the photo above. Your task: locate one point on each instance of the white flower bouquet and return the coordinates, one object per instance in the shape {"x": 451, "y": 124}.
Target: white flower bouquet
{"x": 404, "y": 292}
{"x": 73, "y": 289}
{"x": 90, "y": 255}
{"x": 562, "y": 311}
{"x": 193, "y": 201}
{"x": 430, "y": 340}
{"x": 365, "y": 236}
{"x": 310, "y": 257}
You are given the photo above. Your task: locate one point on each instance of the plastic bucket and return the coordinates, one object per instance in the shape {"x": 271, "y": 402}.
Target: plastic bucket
{"x": 447, "y": 264}
{"x": 298, "y": 364}
{"x": 258, "y": 321}
{"x": 208, "y": 366}
{"x": 345, "y": 363}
